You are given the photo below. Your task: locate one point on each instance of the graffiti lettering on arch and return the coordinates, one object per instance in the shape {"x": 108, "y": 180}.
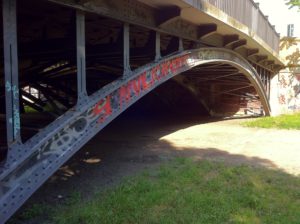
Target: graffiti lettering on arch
{"x": 112, "y": 103}
{"x": 142, "y": 83}
{"x": 121, "y": 98}
{"x": 207, "y": 55}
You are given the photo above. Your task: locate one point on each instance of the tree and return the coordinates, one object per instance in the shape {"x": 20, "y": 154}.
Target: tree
{"x": 293, "y": 3}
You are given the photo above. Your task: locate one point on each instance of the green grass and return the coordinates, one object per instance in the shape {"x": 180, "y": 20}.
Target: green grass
{"x": 291, "y": 121}
{"x": 185, "y": 191}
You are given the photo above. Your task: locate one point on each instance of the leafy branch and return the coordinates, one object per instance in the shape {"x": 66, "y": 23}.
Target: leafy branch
{"x": 293, "y": 3}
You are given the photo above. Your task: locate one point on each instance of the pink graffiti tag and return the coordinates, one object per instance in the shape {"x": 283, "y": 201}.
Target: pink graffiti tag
{"x": 103, "y": 109}
{"x": 136, "y": 86}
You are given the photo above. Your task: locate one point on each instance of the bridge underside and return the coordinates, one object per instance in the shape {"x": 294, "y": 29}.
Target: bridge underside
{"x": 73, "y": 73}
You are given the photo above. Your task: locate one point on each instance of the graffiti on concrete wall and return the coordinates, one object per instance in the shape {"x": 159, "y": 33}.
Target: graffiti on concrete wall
{"x": 289, "y": 91}
{"x": 288, "y": 83}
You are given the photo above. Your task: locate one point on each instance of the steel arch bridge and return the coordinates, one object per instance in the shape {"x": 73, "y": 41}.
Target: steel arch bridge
{"x": 29, "y": 161}
{"x": 48, "y": 150}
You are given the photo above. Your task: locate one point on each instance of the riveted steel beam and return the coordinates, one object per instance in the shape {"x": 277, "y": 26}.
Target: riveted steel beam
{"x": 126, "y": 50}
{"x": 81, "y": 60}
{"x": 51, "y": 147}
{"x": 166, "y": 19}
{"x": 11, "y": 72}
{"x": 180, "y": 48}
{"x": 157, "y": 46}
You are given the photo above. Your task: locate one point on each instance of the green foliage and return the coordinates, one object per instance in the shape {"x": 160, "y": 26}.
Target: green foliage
{"x": 288, "y": 121}
{"x": 293, "y": 3}
{"x": 287, "y": 42}
{"x": 185, "y": 191}
{"x": 35, "y": 211}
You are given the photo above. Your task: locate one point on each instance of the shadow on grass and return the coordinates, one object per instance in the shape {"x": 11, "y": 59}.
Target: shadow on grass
{"x": 126, "y": 148}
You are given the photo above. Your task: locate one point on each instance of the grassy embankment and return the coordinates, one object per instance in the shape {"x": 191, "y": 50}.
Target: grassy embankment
{"x": 290, "y": 121}
{"x": 185, "y": 191}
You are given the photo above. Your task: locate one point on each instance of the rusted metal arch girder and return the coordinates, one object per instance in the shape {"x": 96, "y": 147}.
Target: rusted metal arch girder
{"x": 44, "y": 153}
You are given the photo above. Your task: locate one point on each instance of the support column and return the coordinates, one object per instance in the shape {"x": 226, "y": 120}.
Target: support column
{"x": 11, "y": 72}
{"x": 260, "y": 72}
{"x": 126, "y": 46}
{"x": 269, "y": 85}
{"x": 180, "y": 45}
{"x": 257, "y": 69}
{"x": 157, "y": 47}
{"x": 81, "y": 59}
{"x": 265, "y": 79}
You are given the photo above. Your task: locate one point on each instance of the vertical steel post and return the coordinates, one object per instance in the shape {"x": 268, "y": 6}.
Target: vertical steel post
{"x": 81, "y": 59}
{"x": 258, "y": 70}
{"x": 269, "y": 85}
{"x": 157, "y": 46}
{"x": 180, "y": 48}
{"x": 267, "y": 82}
{"x": 126, "y": 50}
{"x": 265, "y": 79}
{"x": 11, "y": 71}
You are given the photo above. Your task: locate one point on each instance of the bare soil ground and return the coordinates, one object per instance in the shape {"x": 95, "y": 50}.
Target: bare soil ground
{"x": 129, "y": 145}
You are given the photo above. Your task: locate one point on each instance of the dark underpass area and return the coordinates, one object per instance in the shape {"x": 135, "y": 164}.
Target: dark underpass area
{"x": 48, "y": 71}
{"x": 89, "y": 93}
{"x": 168, "y": 122}
{"x": 127, "y": 146}
{"x": 40, "y": 111}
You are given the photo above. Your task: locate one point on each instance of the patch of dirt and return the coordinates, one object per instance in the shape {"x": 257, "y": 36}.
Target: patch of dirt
{"x": 130, "y": 145}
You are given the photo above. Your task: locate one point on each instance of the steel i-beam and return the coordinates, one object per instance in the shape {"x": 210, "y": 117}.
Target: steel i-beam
{"x": 180, "y": 45}
{"x": 50, "y": 148}
{"x": 81, "y": 60}
{"x": 126, "y": 36}
{"x": 11, "y": 72}
{"x": 157, "y": 46}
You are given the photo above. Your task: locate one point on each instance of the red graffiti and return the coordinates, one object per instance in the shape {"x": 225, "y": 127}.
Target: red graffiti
{"x": 174, "y": 65}
{"x": 165, "y": 68}
{"x": 283, "y": 82}
{"x": 143, "y": 80}
{"x": 103, "y": 108}
{"x": 135, "y": 87}
{"x": 281, "y": 99}
{"x": 155, "y": 74}
{"x": 177, "y": 63}
{"x": 125, "y": 94}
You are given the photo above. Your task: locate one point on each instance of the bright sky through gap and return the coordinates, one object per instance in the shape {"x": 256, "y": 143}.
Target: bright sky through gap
{"x": 280, "y": 15}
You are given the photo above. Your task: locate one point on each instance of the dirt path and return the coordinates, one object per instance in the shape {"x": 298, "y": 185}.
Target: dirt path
{"x": 129, "y": 145}
{"x": 227, "y": 140}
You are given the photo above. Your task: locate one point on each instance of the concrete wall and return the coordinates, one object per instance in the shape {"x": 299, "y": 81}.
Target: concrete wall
{"x": 285, "y": 86}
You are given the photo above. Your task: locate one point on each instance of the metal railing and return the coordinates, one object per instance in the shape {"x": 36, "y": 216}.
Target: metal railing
{"x": 248, "y": 13}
